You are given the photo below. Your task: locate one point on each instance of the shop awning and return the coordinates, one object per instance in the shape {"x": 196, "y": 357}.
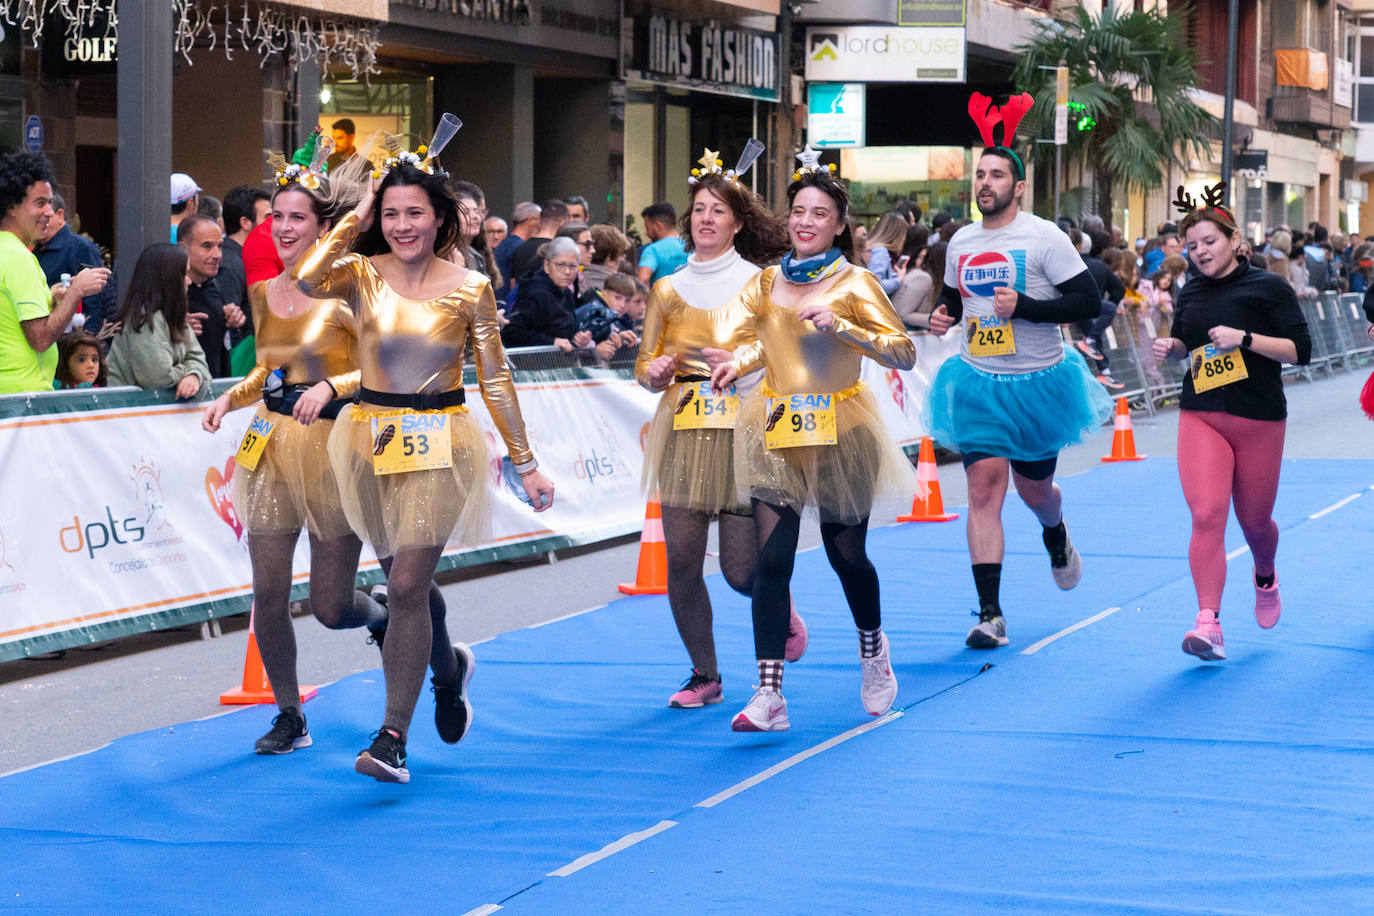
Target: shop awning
{"x": 728, "y": 7}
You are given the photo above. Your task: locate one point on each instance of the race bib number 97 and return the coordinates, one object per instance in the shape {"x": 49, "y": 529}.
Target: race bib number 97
{"x": 254, "y": 442}
{"x": 800, "y": 419}
{"x": 410, "y": 442}
{"x": 1214, "y": 368}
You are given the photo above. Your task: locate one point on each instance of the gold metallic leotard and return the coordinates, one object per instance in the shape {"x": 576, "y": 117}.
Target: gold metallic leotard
{"x": 320, "y": 344}
{"x": 673, "y": 326}
{"x": 408, "y": 346}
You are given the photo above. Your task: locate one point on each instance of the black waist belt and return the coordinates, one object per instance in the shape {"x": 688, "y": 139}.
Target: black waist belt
{"x": 438, "y": 401}
{"x": 691, "y": 378}
{"x": 284, "y": 401}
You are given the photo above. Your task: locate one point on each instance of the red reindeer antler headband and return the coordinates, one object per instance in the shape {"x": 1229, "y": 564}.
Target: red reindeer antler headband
{"x": 987, "y": 116}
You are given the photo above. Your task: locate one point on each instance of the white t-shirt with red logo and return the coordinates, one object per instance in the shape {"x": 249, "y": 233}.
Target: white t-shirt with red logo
{"x": 1029, "y": 254}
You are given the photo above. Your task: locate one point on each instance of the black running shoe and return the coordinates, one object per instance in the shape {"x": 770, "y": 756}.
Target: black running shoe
{"x": 377, "y": 631}
{"x": 385, "y": 760}
{"x": 288, "y": 733}
{"x": 452, "y": 711}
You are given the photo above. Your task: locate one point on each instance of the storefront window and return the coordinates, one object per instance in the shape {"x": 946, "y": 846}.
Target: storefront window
{"x": 394, "y": 101}
{"x": 935, "y": 177}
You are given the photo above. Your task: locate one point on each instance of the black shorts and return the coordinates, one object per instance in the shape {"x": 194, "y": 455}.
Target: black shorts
{"x": 1031, "y": 470}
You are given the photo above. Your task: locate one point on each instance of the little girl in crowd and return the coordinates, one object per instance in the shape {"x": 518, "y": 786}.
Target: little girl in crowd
{"x": 80, "y": 361}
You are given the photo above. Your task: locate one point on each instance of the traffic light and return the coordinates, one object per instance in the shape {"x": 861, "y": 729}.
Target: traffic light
{"x": 1078, "y": 114}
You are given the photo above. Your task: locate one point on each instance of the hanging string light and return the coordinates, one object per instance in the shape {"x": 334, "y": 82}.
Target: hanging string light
{"x": 267, "y": 30}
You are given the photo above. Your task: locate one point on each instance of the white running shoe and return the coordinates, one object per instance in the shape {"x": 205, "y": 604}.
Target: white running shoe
{"x": 880, "y": 684}
{"x": 766, "y": 712}
{"x": 988, "y": 634}
{"x": 1067, "y": 576}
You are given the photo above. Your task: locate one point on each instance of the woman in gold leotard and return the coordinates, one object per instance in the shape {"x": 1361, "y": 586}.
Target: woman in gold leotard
{"x": 691, "y": 325}
{"x": 411, "y": 460}
{"x": 811, "y": 436}
{"x": 307, "y": 363}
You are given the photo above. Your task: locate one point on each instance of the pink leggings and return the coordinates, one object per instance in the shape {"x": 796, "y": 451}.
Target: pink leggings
{"x": 1222, "y": 460}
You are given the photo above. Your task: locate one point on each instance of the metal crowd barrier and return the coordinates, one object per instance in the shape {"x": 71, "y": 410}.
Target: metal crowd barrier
{"x": 1335, "y": 321}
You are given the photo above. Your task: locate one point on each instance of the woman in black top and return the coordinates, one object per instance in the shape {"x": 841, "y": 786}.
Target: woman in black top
{"x": 1235, "y": 325}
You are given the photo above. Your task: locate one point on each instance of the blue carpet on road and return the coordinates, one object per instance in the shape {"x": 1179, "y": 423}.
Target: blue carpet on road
{"x": 1105, "y": 773}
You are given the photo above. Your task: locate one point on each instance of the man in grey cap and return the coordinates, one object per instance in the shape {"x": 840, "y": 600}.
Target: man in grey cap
{"x": 185, "y": 200}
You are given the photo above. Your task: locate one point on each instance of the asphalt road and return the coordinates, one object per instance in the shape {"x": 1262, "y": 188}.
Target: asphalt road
{"x": 60, "y": 707}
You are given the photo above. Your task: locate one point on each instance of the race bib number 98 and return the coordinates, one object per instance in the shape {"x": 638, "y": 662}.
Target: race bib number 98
{"x": 800, "y": 419}
{"x": 1213, "y": 368}
{"x": 410, "y": 442}
{"x": 989, "y": 335}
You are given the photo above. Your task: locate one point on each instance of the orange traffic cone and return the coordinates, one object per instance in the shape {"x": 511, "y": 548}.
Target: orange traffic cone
{"x": 651, "y": 578}
{"x": 1123, "y": 439}
{"x": 927, "y": 506}
{"x": 255, "y": 687}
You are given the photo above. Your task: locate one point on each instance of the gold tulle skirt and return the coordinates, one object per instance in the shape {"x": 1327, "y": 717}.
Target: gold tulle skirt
{"x": 416, "y": 508}
{"x": 840, "y": 481}
{"x": 293, "y": 485}
{"x": 690, "y": 468}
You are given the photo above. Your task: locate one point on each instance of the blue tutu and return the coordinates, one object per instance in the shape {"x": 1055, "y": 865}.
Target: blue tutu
{"x": 1027, "y": 417}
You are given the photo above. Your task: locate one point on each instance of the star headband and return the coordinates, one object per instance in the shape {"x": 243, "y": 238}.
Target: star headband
{"x": 1212, "y": 199}
{"x": 308, "y": 164}
{"x": 810, "y": 160}
{"x": 711, "y": 164}
{"x": 987, "y": 116}
{"x": 424, "y": 156}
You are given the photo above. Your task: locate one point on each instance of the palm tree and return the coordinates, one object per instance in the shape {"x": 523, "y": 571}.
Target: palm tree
{"x": 1132, "y": 74}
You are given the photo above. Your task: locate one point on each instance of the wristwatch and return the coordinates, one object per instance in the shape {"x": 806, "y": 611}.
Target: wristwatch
{"x": 1246, "y": 340}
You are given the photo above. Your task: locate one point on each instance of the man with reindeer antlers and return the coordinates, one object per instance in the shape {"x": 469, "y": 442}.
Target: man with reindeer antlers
{"x": 1014, "y": 395}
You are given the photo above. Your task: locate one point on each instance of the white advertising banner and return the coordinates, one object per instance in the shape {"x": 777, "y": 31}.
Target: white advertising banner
{"x": 111, "y": 515}
{"x": 885, "y": 54}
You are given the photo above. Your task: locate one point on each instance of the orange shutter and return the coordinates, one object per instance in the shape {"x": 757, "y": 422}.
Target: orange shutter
{"x": 1302, "y": 67}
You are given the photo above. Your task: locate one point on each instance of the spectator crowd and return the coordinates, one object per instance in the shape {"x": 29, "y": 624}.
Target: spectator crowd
{"x": 561, "y": 280}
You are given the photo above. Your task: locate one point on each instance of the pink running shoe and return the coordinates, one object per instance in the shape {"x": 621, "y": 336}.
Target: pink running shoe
{"x": 1268, "y": 605}
{"x": 698, "y": 691}
{"x": 1204, "y": 639}
{"x": 766, "y": 712}
{"x": 795, "y": 647}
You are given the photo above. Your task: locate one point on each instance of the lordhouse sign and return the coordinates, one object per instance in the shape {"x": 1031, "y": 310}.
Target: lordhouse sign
{"x": 887, "y": 54}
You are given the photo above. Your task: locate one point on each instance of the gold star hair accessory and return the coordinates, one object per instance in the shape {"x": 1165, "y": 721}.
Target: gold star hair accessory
{"x": 810, "y": 160}
{"x": 308, "y": 165}
{"x": 711, "y": 164}
{"x": 425, "y": 156}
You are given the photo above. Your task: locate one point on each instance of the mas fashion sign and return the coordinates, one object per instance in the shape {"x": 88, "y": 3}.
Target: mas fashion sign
{"x": 887, "y": 54}
{"x": 658, "y": 46}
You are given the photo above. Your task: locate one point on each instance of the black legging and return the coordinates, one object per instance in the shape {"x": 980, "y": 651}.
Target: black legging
{"x": 685, "y": 531}
{"x": 778, "y": 528}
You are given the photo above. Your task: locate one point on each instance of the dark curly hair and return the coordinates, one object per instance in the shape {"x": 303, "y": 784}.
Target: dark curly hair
{"x": 440, "y": 198}
{"x": 67, "y": 346}
{"x": 18, "y": 172}
{"x": 762, "y": 238}
{"x": 831, "y": 187}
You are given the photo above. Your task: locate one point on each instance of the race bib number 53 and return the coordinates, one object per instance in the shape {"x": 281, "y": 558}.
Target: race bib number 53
{"x": 989, "y": 335}
{"x": 800, "y": 419}
{"x": 1213, "y": 368}
{"x": 410, "y": 442}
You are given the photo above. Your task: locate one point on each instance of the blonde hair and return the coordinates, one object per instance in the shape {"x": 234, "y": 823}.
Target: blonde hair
{"x": 890, "y": 232}
{"x": 1282, "y": 242}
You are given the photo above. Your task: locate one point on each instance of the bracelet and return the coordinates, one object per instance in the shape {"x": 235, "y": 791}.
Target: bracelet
{"x": 526, "y": 467}
{"x": 1247, "y": 340}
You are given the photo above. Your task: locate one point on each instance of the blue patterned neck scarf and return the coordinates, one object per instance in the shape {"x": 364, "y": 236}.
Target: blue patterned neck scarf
{"x": 813, "y": 269}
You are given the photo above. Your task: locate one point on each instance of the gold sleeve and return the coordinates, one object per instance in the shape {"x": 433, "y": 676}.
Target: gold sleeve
{"x": 749, "y": 356}
{"x": 651, "y": 337}
{"x": 493, "y": 375}
{"x": 873, "y": 327}
{"x": 319, "y": 273}
{"x": 346, "y": 384}
{"x": 249, "y": 388}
